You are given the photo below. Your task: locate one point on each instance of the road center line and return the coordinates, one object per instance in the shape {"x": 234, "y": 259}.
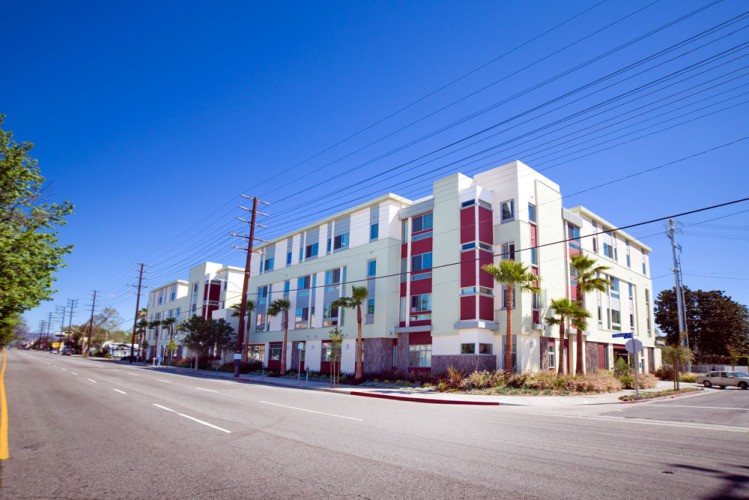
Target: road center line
{"x": 312, "y": 411}
{"x": 74, "y": 373}
{"x": 92, "y": 380}
{"x": 705, "y": 407}
{"x": 193, "y": 419}
{"x": 121, "y": 392}
{"x": 165, "y": 381}
{"x": 207, "y": 390}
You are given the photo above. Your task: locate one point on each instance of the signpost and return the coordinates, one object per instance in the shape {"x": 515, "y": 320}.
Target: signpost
{"x": 634, "y": 346}
{"x": 627, "y": 335}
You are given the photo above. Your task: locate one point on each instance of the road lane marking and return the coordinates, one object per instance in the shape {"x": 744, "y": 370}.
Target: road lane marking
{"x": 64, "y": 369}
{"x": 74, "y": 373}
{"x": 121, "y": 392}
{"x": 705, "y": 407}
{"x": 133, "y": 374}
{"x": 4, "y": 451}
{"x": 207, "y": 390}
{"x": 92, "y": 380}
{"x": 192, "y": 418}
{"x": 312, "y": 411}
{"x": 165, "y": 381}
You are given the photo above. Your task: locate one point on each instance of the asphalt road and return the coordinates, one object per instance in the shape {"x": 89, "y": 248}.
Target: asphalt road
{"x": 92, "y": 429}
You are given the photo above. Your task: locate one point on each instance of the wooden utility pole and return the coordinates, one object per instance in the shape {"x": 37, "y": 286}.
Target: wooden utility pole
{"x": 90, "y": 327}
{"x": 137, "y": 311}
{"x": 240, "y": 350}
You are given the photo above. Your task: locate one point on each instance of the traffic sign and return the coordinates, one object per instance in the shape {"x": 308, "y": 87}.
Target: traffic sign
{"x": 627, "y": 335}
{"x": 633, "y": 346}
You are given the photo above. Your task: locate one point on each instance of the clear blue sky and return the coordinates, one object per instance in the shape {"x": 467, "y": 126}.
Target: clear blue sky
{"x": 152, "y": 117}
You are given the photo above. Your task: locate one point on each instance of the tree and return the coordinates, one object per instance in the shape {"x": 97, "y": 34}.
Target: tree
{"x": 336, "y": 337}
{"x": 202, "y": 334}
{"x": 275, "y": 308}
{"x": 30, "y": 253}
{"x": 674, "y": 356}
{"x": 171, "y": 345}
{"x": 358, "y": 297}
{"x": 716, "y": 324}
{"x": 156, "y": 326}
{"x": 237, "y": 310}
{"x": 511, "y": 274}
{"x": 588, "y": 279}
{"x": 568, "y": 311}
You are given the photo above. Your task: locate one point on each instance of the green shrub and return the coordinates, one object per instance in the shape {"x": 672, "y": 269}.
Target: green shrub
{"x": 667, "y": 373}
{"x": 595, "y": 382}
{"x": 483, "y": 380}
{"x": 688, "y": 377}
{"x": 452, "y": 379}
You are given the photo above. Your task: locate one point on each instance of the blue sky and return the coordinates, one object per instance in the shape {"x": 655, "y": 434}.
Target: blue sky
{"x": 152, "y": 118}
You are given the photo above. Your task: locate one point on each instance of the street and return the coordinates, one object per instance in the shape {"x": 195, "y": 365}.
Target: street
{"x": 97, "y": 429}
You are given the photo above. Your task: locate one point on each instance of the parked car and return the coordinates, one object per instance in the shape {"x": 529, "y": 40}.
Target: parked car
{"x": 724, "y": 379}
{"x": 67, "y": 352}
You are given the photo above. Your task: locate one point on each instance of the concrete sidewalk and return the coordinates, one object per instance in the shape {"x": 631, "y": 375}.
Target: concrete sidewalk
{"x": 421, "y": 395}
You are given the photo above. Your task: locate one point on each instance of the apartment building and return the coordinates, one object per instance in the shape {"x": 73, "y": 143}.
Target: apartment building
{"x": 430, "y": 305}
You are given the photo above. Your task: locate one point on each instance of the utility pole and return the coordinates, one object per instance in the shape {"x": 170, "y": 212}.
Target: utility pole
{"x": 72, "y": 304}
{"x": 137, "y": 311}
{"x": 62, "y": 312}
{"x": 678, "y": 291}
{"x": 49, "y": 328}
{"x": 240, "y": 350}
{"x": 42, "y": 326}
{"x": 90, "y": 327}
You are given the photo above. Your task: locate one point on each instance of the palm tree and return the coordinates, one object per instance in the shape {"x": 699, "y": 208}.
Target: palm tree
{"x": 567, "y": 310}
{"x": 358, "y": 297}
{"x": 156, "y": 325}
{"x": 275, "y": 308}
{"x": 169, "y": 323}
{"x": 588, "y": 277}
{"x": 512, "y": 274}
{"x": 237, "y": 310}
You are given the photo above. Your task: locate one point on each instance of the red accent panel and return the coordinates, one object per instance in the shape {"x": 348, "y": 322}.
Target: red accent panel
{"x": 423, "y": 322}
{"x": 468, "y": 268}
{"x": 574, "y": 250}
{"x": 325, "y": 367}
{"x": 486, "y": 225}
{"x": 419, "y": 338}
{"x": 486, "y": 308}
{"x": 215, "y": 292}
{"x": 573, "y": 290}
{"x": 536, "y": 317}
{"x": 404, "y": 250}
{"x": 601, "y": 356}
{"x": 485, "y": 279}
{"x": 403, "y": 289}
{"x": 468, "y": 307}
{"x": 467, "y": 225}
{"x": 421, "y": 246}
{"x": 534, "y": 236}
{"x": 421, "y": 286}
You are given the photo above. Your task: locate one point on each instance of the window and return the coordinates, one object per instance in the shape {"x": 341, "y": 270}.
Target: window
{"x": 551, "y": 355}
{"x": 370, "y": 306}
{"x": 420, "y": 356}
{"x": 301, "y": 320}
{"x": 534, "y": 256}
{"x": 404, "y": 231}
{"x": 616, "y": 320}
{"x": 421, "y": 262}
{"x": 485, "y": 204}
{"x": 573, "y": 235}
{"x": 467, "y": 348}
{"x": 631, "y": 290}
{"x": 176, "y": 313}
{"x": 508, "y": 250}
{"x": 173, "y": 295}
{"x": 286, "y": 289}
{"x": 608, "y": 250}
{"x": 340, "y": 241}
{"x": 288, "y": 258}
{"x": 507, "y": 210}
{"x": 310, "y": 251}
{"x": 629, "y": 258}
{"x": 422, "y": 223}
{"x": 374, "y": 231}
{"x": 468, "y": 246}
{"x": 532, "y": 213}
{"x": 268, "y": 265}
{"x": 330, "y": 315}
{"x": 421, "y": 302}
{"x": 404, "y": 270}
{"x": 371, "y": 268}
{"x": 332, "y": 279}
{"x": 644, "y": 266}
{"x": 486, "y": 349}
{"x": 274, "y": 353}
{"x": 302, "y": 283}
{"x": 468, "y": 203}
{"x": 614, "y": 287}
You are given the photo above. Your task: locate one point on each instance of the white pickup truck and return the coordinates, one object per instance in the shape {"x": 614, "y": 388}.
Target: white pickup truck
{"x": 724, "y": 379}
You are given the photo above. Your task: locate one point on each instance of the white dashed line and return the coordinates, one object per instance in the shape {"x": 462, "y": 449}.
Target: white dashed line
{"x": 74, "y": 373}
{"x": 92, "y": 380}
{"x": 165, "y": 381}
{"x": 312, "y": 411}
{"x": 193, "y": 419}
{"x": 121, "y": 392}
{"x": 64, "y": 369}
{"x": 206, "y": 390}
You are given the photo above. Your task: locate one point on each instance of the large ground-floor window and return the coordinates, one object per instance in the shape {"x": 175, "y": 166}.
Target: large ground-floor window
{"x": 420, "y": 356}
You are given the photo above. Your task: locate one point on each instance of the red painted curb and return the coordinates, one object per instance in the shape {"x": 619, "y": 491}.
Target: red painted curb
{"x": 424, "y": 400}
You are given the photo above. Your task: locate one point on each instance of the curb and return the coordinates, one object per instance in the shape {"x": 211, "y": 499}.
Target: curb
{"x": 665, "y": 398}
{"x": 414, "y": 399}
